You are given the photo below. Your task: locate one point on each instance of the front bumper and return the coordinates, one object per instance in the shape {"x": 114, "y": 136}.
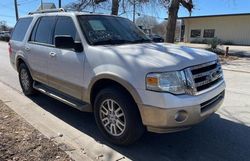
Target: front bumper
{"x": 165, "y": 120}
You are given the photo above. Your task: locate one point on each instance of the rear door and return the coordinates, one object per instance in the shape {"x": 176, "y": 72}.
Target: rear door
{"x": 39, "y": 46}
{"x": 17, "y": 38}
{"x": 66, "y": 66}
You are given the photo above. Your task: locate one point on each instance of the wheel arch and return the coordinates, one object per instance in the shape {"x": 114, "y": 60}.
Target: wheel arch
{"x": 19, "y": 60}
{"x": 105, "y": 80}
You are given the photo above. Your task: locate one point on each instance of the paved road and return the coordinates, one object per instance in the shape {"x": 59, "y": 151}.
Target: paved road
{"x": 224, "y": 136}
{"x": 7, "y": 74}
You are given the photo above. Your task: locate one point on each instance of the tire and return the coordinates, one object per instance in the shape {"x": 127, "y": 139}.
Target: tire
{"x": 25, "y": 80}
{"x": 128, "y": 113}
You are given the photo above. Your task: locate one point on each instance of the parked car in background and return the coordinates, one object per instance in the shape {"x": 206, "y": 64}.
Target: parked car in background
{"x": 156, "y": 38}
{"x": 106, "y": 65}
{"x": 5, "y": 35}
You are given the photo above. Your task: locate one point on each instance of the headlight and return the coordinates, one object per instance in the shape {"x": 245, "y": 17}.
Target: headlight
{"x": 173, "y": 82}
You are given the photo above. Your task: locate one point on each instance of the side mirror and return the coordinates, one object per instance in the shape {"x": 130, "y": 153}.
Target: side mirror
{"x": 67, "y": 42}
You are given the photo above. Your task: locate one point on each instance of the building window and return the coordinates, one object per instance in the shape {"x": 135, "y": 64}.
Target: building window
{"x": 209, "y": 33}
{"x": 195, "y": 33}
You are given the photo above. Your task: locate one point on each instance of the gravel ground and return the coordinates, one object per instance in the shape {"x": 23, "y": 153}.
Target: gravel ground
{"x": 226, "y": 59}
{"x": 19, "y": 141}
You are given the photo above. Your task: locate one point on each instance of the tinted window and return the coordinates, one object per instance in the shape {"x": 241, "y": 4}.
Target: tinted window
{"x": 209, "y": 33}
{"x": 66, "y": 26}
{"x": 21, "y": 29}
{"x": 33, "y": 34}
{"x": 195, "y": 33}
{"x": 45, "y": 30}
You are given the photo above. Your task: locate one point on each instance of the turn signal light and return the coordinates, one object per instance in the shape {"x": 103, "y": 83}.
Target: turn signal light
{"x": 152, "y": 81}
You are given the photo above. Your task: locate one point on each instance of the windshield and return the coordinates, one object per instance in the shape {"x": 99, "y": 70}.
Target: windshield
{"x": 107, "y": 30}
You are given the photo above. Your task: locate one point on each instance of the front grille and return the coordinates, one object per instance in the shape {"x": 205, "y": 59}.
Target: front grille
{"x": 205, "y": 106}
{"x": 204, "y": 76}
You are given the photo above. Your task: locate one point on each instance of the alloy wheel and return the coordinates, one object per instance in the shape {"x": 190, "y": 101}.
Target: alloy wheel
{"x": 25, "y": 79}
{"x": 112, "y": 117}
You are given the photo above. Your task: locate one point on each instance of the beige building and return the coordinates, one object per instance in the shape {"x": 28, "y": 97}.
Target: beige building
{"x": 230, "y": 28}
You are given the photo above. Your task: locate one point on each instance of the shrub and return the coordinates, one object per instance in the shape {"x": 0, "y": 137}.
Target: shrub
{"x": 228, "y": 42}
{"x": 214, "y": 43}
{"x": 196, "y": 41}
{"x": 204, "y": 41}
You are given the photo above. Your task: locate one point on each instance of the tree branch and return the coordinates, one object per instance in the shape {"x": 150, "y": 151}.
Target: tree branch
{"x": 188, "y": 4}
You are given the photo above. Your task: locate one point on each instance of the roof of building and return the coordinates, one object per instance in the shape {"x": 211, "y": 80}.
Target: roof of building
{"x": 222, "y": 15}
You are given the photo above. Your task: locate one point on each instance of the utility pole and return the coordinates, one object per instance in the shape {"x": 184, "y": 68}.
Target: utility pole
{"x": 60, "y": 4}
{"x": 41, "y": 4}
{"x": 16, "y": 10}
{"x": 134, "y": 11}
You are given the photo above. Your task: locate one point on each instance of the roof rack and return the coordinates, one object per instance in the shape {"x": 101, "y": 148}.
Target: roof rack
{"x": 48, "y": 11}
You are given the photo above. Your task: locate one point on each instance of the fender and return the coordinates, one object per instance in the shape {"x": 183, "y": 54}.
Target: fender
{"x": 117, "y": 79}
{"x": 19, "y": 57}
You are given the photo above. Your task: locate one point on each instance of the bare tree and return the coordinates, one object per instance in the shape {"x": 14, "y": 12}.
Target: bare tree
{"x": 115, "y": 7}
{"x": 112, "y": 5}
{"x": 81, "y": 5}
{"x": 125, "y": 4}
{"x": 146, "y": 21}
{"x": 173, "y": 15}
{"x": 160, "y": 28}
{"x": 171, "y": 5}
{"x": 3, "y": 26}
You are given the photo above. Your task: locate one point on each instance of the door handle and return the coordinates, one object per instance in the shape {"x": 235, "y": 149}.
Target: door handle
{"x": 52, "y": 54}
{"x": 27, "y": 48}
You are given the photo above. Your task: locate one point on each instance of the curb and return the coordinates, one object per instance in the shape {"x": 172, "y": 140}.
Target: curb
{"x": 234, "y": 70}
{"x": 78, "y": 145}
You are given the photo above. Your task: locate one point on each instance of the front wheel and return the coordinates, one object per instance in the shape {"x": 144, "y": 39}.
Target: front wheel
{"x": 117, "y": 117}
{"x": 25, "y": 80}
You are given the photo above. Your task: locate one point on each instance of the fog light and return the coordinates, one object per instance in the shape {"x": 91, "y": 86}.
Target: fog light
{"x": 181, "y": 116}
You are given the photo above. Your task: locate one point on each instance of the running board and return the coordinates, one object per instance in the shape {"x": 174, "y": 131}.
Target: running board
{"x": 69, "y": 100}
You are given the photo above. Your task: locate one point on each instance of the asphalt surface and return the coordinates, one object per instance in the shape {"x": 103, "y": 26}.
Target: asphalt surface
{"x": 224, "y": 136}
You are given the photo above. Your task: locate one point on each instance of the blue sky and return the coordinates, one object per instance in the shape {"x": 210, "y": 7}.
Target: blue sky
{"x": 202, "y": 7}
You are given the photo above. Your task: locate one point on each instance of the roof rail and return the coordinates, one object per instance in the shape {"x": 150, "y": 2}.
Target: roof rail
{"x": 48, "y": 11}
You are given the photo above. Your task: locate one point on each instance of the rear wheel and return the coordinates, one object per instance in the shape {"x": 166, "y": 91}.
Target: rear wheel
{"x": 117, "y": 116}
{"x": 25, "y": 80}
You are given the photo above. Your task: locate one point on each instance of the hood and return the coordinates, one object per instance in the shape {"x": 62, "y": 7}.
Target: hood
{"x": 160, "y": 56}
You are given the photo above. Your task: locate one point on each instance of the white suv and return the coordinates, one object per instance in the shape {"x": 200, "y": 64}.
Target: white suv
{"x": 105, "y": 64}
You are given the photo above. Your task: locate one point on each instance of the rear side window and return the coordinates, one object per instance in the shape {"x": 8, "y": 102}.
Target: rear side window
{"x": 44, "y": 30}
{"x": 21, "y": 29}
{"x": 66, "y": 26}
{"x": 33, "y": 34}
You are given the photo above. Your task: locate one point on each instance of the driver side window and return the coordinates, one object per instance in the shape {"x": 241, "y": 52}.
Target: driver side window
{"x": 66, "y": 26}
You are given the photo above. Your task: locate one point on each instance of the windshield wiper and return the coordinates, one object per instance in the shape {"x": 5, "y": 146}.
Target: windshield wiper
{"x": 142, "y": 41}
{"x": 120, "y": 41}
{"x": 111, "y": 42}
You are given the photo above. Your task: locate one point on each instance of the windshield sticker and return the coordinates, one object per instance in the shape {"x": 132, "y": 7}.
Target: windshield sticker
{"x": 96, "y": 25}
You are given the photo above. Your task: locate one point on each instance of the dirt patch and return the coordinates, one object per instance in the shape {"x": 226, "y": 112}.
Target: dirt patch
{"x": 226, "y": 59}
{"x": 19, "y": 141}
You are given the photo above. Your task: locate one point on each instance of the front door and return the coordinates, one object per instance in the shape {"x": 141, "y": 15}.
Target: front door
{"x": 38, "y": 47}
{"x": 65, "y": 66}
